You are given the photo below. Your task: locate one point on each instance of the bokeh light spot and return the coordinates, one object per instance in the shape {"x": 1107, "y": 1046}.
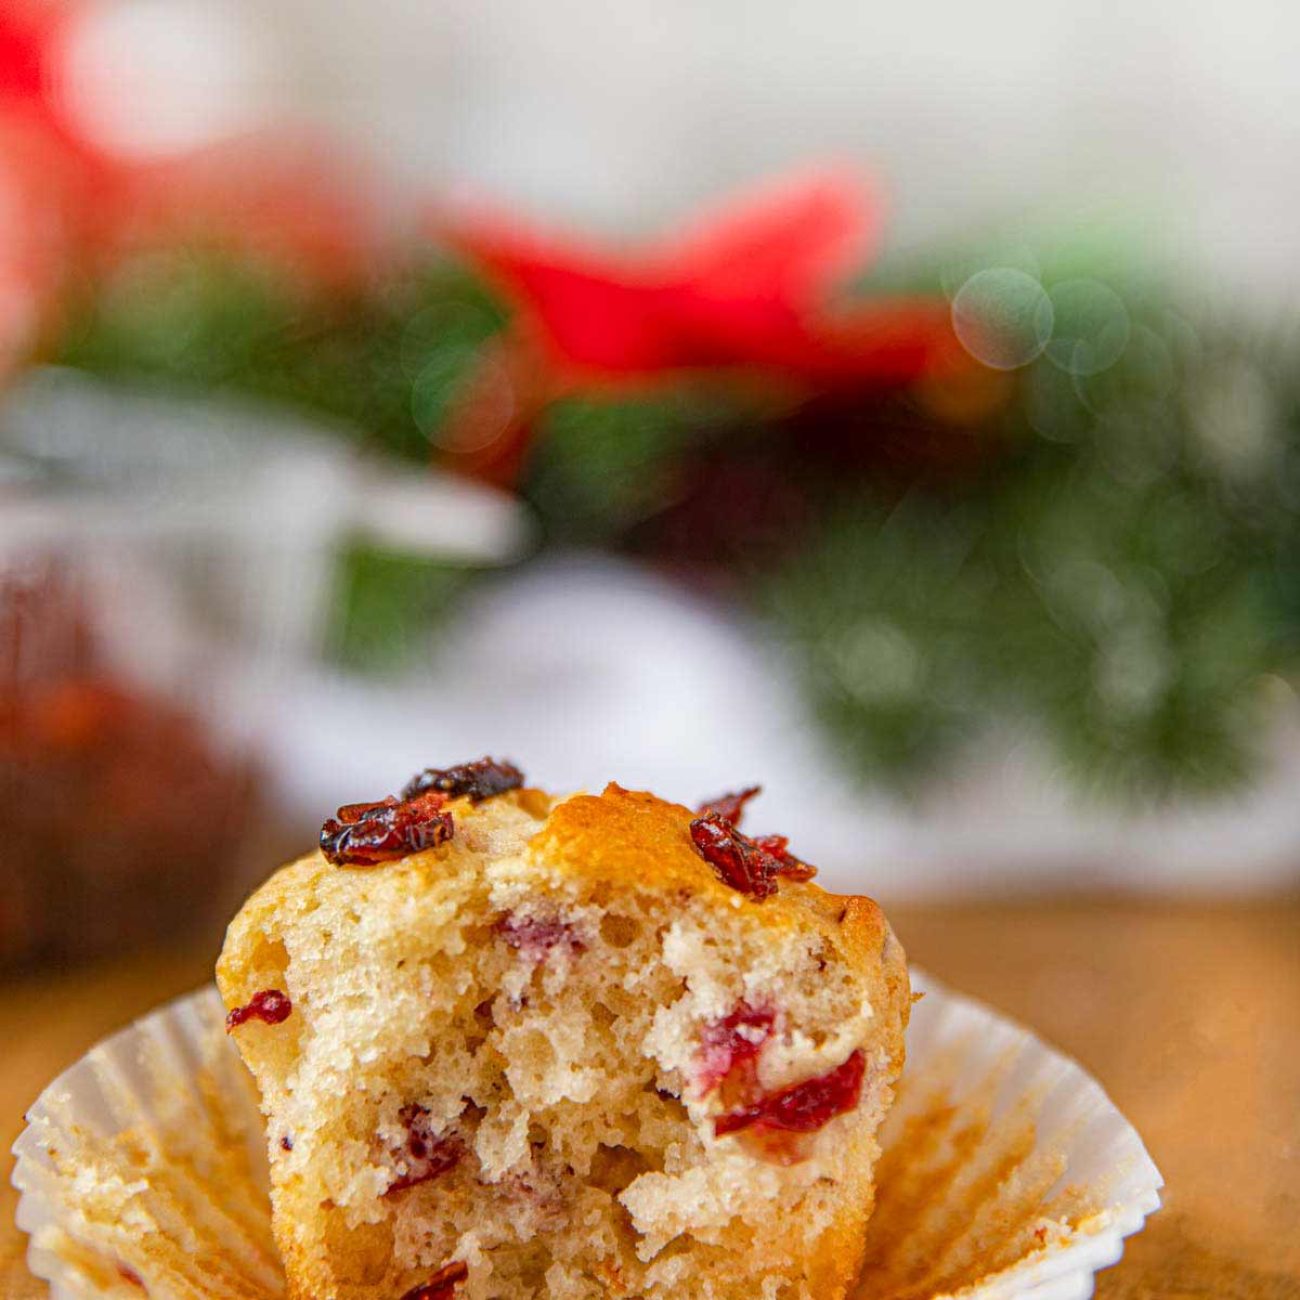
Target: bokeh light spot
{"x": 877, "y": 663}
{"x": 1003, "y": 317}
{"x": 463, "y": 400}
{"x": 1091, "y": 327}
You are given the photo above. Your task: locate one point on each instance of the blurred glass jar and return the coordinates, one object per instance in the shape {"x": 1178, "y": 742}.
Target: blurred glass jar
{"x": 163, "y": 566}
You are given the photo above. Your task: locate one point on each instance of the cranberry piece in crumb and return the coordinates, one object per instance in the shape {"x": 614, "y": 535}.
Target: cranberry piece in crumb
{"x": 476, "y": 781}
{"x": 286, "y": 1143}
{"x": 751, "y": 866}
{"x": 442, "y": 1285}
{"x": 425, "y": 1155}
{"x": 804, "y": 1107}
{"x": 270, "y": 1006}
{"x": 130, "y": 1276}
{"x": 729, "y": 1044}
{"x": 536, "y": 936}
{"x": 730, "y": 807}
{"x": 366, "y": 834}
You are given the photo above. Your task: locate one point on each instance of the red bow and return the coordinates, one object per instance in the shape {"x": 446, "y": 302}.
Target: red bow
{"x": 748, "y": 289}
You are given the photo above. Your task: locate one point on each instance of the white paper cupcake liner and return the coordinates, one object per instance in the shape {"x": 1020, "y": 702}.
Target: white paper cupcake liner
{"x": 1006, "y": 1171}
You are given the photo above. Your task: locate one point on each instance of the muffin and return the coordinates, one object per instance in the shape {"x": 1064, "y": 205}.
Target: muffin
{"x": 513, "y": 1045}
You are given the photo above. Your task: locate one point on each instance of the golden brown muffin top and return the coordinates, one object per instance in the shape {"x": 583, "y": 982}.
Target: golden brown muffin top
{"x": 628, "y": 836}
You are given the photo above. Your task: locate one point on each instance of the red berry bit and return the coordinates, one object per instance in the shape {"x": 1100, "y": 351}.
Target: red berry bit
{"x": 791, "y": 868}
{"x": 733, "y": 1044}
{"x": 804, "y": 1107}
{"x": 730, "y": 807}
{"x": 130, "y": 1276}
{"x": 537, "y": 936}
{"x": 270, "y": 1006}
{"x": 442, "y": 1285}
{"x": 751, "y": 866}
{"x": 475, "y": 781}
{"x": 425, "y": 1156}
{"x": 366, "y": 834}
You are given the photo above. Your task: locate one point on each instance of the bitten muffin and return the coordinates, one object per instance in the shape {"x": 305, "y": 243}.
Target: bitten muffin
{"x": 511, "y": 1045}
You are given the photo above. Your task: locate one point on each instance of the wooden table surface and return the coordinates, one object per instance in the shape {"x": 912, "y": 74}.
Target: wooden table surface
{"x": 1190, "y": 1016}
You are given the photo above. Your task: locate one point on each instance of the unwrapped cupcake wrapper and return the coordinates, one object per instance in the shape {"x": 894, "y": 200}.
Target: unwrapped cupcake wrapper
{"x": 1005, "y": 1170}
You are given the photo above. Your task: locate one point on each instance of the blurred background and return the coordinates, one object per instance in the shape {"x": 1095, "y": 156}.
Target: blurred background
{"x": 896, "y": 406}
